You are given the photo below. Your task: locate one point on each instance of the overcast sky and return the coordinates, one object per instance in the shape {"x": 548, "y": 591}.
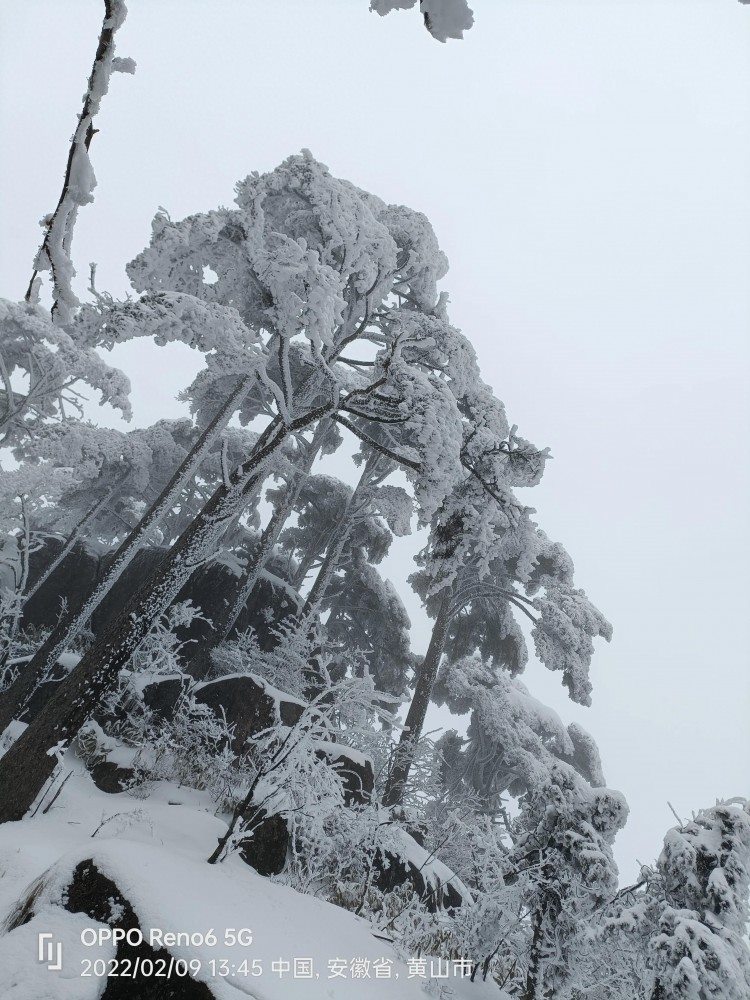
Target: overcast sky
{"x": 585, "y": 166}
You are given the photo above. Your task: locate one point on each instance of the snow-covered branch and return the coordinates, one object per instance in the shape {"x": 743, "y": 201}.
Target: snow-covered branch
{"x": 80, "y": 181}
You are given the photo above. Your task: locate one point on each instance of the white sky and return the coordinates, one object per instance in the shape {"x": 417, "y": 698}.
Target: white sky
{"x": 585, "y": 166}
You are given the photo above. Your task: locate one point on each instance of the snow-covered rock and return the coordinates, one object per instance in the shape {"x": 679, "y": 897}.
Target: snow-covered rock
{"x": 353, "y": 767}
{"x": 249, "y": 704}
{"x": 407, "y": 861}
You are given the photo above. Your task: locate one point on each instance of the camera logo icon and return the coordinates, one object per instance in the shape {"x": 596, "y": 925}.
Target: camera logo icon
{"x": 50, "y": 951}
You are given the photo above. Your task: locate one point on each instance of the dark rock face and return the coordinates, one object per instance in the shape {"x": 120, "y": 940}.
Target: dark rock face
{"x": 266, "y": 850}
{"x": 97, "y": 896}
{"x": 211, "y": 588}
{"x": 357, "y": 776}
{"x": 111, "y": 778}
{"x": 74, "y": 578}
{"x": 162, "y": 694}
{"x": 246, "y": 706}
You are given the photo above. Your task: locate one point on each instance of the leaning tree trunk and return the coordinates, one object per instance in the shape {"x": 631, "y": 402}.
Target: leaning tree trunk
{"x": 339, "y": 541}
{"x": 27, "y": 765}
{"x": 412, "y": 732}
{"x": 298, "y": 577}
{"x": 323, "y": 577}
{"x": 14, "y": 699}
{"x": 224, "y": 623}
{"x": 88, "y": 518}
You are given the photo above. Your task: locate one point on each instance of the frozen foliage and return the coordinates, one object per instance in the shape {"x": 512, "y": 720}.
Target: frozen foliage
{"x": 568, "y": 623}
{"x": 484, "y": 561}
{"x": 288, "y": 775}
{"x": 444, "y": 19}
{"x": 285, "y": 665}
{"x": 513, "y": 739}
{"x": 585, "y": 757}
{"x": 215, "y": 330}
{"x": 681, "y": 931}
{"x": 560, "y": 863}
{"x": 539, "y": 878}
{"x": 700, "y": 950}
{"x": 566, "y": 830}
{"x": 368, "y": 616}
{"x": 302, "y": 266}
{"x": 45, "y": 370}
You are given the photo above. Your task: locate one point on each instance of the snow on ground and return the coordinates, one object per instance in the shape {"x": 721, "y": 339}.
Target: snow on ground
{"x": 155, "y": 850}
{"x": 24, "y": 977}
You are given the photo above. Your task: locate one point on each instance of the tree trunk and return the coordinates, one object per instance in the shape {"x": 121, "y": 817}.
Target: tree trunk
{"x": 323, "y": 578}
{"x": 27, "y": 765}
{"x": 338, "y": 542}
{"x": 411, "y": 734}
{"x": 298, "y": 577}
{"x": 70, "y": 542}
{"x": 13, "y": 700}
{"x": 531, "y": 988}
{"x": 15, "y": 617}
{"x": 222, "y": 627}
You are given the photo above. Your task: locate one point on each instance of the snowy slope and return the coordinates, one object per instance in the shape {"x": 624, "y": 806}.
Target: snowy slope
{"x": 154, "y": 850}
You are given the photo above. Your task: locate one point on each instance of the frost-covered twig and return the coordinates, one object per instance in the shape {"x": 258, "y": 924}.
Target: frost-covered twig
{"x": 57, "y": 793}
{"x": 674, "y": 813}
{"x": 285, "y": 752}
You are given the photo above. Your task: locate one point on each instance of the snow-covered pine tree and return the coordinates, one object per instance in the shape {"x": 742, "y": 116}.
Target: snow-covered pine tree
{"x": 561, "y": 859}
{"x": 368, "y": 615}
{"x": 681, "y": 931}
{"x": 353, "y": 528}
{"x": 563, "y": 853}
{"x": 699, "y": 950}
{"x": 485, "y": 558}
{"x": 312, "y": 291}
